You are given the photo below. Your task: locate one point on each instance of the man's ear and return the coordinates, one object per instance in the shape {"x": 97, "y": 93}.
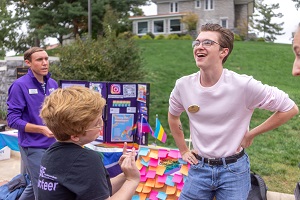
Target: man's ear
{"x": 74, "y": 138}
{"x": 224, "y": 52}
{"x": 28, "y": 62}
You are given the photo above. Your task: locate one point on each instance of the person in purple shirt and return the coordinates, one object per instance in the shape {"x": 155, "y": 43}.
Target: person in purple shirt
{"x": 25, "y": 97}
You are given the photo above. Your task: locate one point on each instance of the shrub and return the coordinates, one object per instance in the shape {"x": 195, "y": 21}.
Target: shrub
{"x": 3, "y": 114}
{"x": 186, "y": 37}
{"x": 173, "y": 37}
{"x": 135, "y": 37}
{"x": 159, "y": 37}
{"x": 261, "y": 39}
{"x": 237, "y": 37}
{"x": 146, "y": 37}
{"x": 151, "y": 35}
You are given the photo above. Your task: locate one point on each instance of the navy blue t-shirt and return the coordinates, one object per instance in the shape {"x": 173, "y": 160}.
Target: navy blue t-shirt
{"x": 69, "y": 171}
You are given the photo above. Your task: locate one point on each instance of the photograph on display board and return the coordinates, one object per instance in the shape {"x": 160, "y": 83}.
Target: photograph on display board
{"x": 121, "y": 127}
{"x": 142, "y": 93}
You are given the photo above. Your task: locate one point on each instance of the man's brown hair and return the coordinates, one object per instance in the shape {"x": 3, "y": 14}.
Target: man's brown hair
{"x": 226, "y": 37}
{"x": 32, "y": 50}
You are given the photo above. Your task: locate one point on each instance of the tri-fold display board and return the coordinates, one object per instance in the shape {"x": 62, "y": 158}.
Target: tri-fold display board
{"x": 126, "y": 103}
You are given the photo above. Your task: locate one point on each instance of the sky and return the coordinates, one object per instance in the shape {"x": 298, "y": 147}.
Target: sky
{"x": 291, "y": 17}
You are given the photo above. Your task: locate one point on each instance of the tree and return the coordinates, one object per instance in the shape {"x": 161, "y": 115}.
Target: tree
{"x": 7, "y": 26}
{"x": 262, "y": 21}
{"x": 297, "y": 3}
{"x": 191, "y": 21}
{"x": 64, "y": 19}
{"x": 110, "y": 58}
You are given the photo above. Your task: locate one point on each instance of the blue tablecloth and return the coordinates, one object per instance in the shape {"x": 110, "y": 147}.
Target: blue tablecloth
{"x": 10, "y": 139}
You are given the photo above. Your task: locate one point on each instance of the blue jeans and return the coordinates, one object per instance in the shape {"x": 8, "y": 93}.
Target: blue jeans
{"x": 227, "y": 181}
{"x": 31, "y": 158}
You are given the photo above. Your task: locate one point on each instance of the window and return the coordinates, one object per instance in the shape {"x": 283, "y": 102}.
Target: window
{"x": 158, "y": 26}
{"x": 224, "y": 23}
{"x": 173, "y": 7}
{"x": 209, "y": 4}
{"x": 142, "y": 27}
{"x": 175, "y": 25}
{"x": 197, "y": 4}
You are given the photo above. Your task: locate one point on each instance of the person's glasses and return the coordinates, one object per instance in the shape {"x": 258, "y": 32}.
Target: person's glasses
{"x": 99, "y": 126}
{"x": 205, "y": 43}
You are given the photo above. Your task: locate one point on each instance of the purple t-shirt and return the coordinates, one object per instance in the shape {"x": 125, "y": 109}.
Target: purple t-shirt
{"x": 25, "y": 97}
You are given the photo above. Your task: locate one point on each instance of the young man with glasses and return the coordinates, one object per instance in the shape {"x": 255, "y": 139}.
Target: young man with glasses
{"x": 69, "y": 171}
{"x": 219, "y": 104}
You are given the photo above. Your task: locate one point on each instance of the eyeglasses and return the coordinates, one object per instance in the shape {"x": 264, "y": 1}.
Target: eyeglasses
{"x": 99, "y": 126}
{"x": 205, "y": 43}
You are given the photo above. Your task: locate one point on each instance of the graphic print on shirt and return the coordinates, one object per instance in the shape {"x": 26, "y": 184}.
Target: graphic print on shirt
{"x": 46, "y": 181}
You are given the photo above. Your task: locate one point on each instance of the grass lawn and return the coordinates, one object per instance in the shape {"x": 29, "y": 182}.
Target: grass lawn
{"x": 274, "y": 155}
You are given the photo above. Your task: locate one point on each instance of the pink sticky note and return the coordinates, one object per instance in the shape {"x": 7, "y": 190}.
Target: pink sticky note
{"x": 162, "y": 179}
{"x": 162, "y": 153}
{"x": 153, "y": 162}
{"x": 177, "y": 178}
{"x": 153, "y": 195}
{"x": 180, "y": 185}
{"x": 143, "y": 170}
{"x": 143, "y": 178}
{"x": 173, "y": 153}
{"x": 151, "y": 174}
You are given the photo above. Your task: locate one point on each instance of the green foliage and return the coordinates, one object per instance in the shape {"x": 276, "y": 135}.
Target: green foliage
{"x": 159, "y": 37}
{"x": 172, "y": 37}
{"x": 186, "y": 37}
{"x": 3, "y": 114}
{"x": 190, "y": 20}
{"x": 237, "y": 37}
{"x": 63, "y": 19}
{"x": 262, "y": 21}
{"x": 109, "y": 58}
{"x": 275, "y": 154}
{"x": 151, "y": 35}
{"x": 146, "y": 37}
{"x": 135, "y": 37}
{"x": 261, "y": 39}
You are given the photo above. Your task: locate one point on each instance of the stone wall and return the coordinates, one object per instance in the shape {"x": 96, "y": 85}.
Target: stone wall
{"x": 8, "y": 74}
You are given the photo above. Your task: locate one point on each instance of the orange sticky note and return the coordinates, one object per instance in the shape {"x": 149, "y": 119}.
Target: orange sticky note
{"x": 139, "y": 164}
{"x": 160, "y": 170}
{"x": 146, "y": 158}
{"x": 152, "y": 168}
{"x": 140, "y": 187}
{"x": 146, "y": 189}
{"x": 184, "y": 170}
{"x": 150, "y": 182}
{"x": 153, "y": 154}
{"x": 159, "y": 185}
{"x": 171, "y": 189}
{"x": 178, "y": 193}
{"x": 142, "y": 196}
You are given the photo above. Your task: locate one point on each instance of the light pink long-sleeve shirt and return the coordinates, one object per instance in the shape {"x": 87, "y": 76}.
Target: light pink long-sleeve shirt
{"x": 218, "y": 128}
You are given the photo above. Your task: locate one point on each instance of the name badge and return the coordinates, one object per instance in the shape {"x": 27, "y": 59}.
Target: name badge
{"x": 33, "y": 91}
